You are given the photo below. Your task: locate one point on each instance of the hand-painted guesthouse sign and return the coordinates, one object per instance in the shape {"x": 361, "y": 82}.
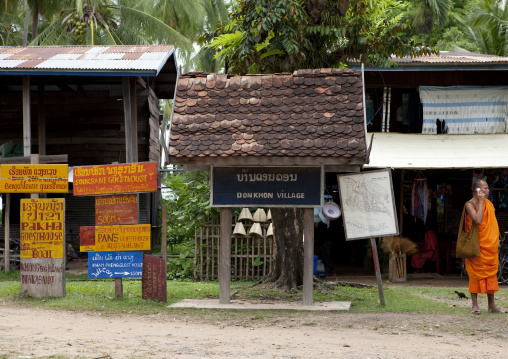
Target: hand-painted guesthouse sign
{"x": 34, "y": 178}
{"x": 112, "y": 179}
{"x": 116, "y": 209}
{"x": 115, "y": 264}
{"x": 267, "y": 186}
{"x": 114, "y": 238}
{"x": 153, "y": 283}
{"x": 42, "y": 228}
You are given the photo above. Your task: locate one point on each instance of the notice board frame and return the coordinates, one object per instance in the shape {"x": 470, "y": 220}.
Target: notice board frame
{"x": 251, "y": 202}
{"x": 360, "y": 223}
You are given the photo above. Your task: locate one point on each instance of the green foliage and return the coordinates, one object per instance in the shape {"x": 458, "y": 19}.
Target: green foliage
{"x": 188, "y": 204}
{"x": 183, "y": 266}
{"x": 454, "y": 40}
{"x": 298, "y": 34}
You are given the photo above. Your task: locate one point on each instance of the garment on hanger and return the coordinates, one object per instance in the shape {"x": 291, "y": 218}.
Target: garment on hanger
{"x": 419, "y": 197}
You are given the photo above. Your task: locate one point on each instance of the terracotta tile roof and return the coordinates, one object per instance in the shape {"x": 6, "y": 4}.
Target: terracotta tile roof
{"x": 310, "y": 113}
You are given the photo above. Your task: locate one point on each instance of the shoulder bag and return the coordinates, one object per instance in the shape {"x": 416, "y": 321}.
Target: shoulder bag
{"x": 468, "y": 243}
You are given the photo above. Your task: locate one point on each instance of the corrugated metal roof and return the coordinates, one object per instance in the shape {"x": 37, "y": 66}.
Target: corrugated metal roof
{"x": 418, "y": 151}
{"x": 146, "y": 60}
{"x": 450, "y": 57}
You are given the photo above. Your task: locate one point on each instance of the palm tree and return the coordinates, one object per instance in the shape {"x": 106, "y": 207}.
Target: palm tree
{"x": 11, "y": 23}
{"x": 428, "y": 12}
{"x": 487, "y": 27}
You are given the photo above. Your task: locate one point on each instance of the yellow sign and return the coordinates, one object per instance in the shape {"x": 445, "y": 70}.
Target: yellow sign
{"x": 42, "y": 228}
{"x": 115, "y": 238}
{"x": 34, "y": 179}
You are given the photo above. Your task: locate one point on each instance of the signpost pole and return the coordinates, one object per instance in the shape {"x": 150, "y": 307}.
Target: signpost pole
{"x": 164, "y": 244}
{"x": 225, "y": 255}
{"x": 308, "y": 256}
{"x": 378, "y": 272}
{"x": 7, "y": 259}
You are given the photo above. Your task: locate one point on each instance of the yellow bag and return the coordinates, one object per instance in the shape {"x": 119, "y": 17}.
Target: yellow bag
{"x": 468, "y": 243}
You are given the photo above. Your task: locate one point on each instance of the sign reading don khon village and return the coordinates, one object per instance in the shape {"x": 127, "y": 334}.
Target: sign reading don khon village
{"x": 267, "y": 186}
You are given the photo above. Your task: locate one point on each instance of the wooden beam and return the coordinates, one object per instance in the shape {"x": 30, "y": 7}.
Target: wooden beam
{"x": 128, "y": 119}
{"x": 308, "y": 256}
{"x": 225, "y": 255}
{"x": 7, "y": 218}
{"x": 42, "y": 159}
{"x": 134, "y": 119}
{"x": 41, "y": 120}
{"x": 27, "y": 137}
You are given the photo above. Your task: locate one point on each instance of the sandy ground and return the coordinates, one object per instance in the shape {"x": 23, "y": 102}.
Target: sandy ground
{"x": 32, "y": 333}
{"x": 213, "y": 333}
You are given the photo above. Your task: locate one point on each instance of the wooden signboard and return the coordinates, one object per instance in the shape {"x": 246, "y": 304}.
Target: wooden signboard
{"x": 42, "y": 247}
{"x": 114, "y": 238}
{"x": 116, "y": 209}
{"x": 267, "y": 187}
{"x": 42, "y": 228}
{"x": 153, "y": 283}
{"x": 115, "y": 264}
{"x": 113, "y": 179}
{"x": 50, "y": 178}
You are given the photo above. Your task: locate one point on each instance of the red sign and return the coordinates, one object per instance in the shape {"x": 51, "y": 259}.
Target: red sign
{"x": 116, "y": 209}
{"x": 113, "y": 179}
{"x": 153, "y": 282}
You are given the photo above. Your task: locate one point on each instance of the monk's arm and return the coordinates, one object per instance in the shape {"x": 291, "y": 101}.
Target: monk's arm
{"x": 476, "y": 216}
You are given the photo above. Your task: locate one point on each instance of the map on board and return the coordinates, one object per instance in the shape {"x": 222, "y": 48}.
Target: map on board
{"x": 367, "y": 203}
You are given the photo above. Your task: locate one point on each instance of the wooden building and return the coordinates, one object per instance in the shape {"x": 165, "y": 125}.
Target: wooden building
{"x": 84, "y": 105}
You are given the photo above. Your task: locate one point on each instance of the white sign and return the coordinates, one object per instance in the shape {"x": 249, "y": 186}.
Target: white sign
{"x": 368, "y": 206}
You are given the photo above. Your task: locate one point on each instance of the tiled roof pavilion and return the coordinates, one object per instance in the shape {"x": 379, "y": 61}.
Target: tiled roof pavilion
{"x": 310, "y": 117}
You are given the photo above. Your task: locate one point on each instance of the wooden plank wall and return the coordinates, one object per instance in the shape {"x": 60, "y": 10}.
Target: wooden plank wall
{"x": 251, "y": 257}
{"x": 88, "y": 126}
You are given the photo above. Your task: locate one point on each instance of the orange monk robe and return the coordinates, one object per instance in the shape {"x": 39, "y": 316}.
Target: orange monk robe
{"x": 482, "y": 270}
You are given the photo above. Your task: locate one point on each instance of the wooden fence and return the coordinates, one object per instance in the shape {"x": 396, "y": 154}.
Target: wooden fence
{"x": 251, "y": 256}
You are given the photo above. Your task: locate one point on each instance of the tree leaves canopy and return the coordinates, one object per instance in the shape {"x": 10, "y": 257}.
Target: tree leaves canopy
{"x": 283, "y": 35}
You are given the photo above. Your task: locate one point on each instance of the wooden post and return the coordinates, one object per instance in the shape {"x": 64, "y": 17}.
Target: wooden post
{"x": 27, "y": 137}
{"x": 7, "y": 259}
{"x": 41, "y": 121}
{"x": 225, "y": 255}
{"x": 378, "y": 272}
{"x": 401, "y": 202}
{"x": 164, "y": 244}
{"x": 134, "y": 119}
{"x": 129, "y": 156}
{"x": 308, "y": 256}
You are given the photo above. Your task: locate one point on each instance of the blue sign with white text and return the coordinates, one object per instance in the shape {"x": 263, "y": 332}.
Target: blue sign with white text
{"x": 125, "y": 264}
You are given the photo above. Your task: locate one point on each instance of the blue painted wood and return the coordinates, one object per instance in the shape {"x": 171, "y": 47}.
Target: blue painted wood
{"x": 119, "y": 264}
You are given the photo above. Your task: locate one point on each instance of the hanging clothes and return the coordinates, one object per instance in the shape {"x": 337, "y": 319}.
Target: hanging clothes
{"x": 419, "y": 197}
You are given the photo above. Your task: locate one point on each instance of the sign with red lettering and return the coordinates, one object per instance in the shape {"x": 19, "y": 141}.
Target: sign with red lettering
{"x": 42, "y": 228}
{"x": 34, "y": 178}
{"x": 116, "y": 209}
{"x": 114, "y": 238}
{"x": 115, "y": 179}
{"x": 153, "y": 282}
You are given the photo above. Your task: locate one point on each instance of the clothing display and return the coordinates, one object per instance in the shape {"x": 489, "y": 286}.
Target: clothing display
{"x": 419, "y": 198}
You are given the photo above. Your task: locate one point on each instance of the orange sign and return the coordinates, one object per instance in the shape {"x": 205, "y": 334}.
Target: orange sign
{"x": 113, "y": 179}
{"x": 115, "y": 238}
{"x": 42, "y": 228}
{"x": 34, "y": 179}
{"x": 117, "y": 209}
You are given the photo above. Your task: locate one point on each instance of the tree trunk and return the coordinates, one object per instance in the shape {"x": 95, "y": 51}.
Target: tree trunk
{"x": 287, "y": 272}
{"x": 25, "y": 28}
{"x": 35, "y": 19}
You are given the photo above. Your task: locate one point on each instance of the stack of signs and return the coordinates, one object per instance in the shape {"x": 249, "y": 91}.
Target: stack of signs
{"x": 116, "y": 241}
{"x": 42, "y": 228}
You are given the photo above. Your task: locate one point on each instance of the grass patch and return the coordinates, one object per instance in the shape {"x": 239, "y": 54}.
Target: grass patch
{"x": 99, "y": 295}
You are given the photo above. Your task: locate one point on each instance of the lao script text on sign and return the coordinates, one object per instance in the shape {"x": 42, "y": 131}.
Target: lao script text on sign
{"x": 116, "y": 209}
{"x": 267, "y": 186}
{"x": 34, "y": 179}
{"x": 113, "y": 179}
{"x": 115, "y": 264}
{"x": 42, "y": 228}
{"x": 115, "y": 238}
{"x": 153, "y": 283}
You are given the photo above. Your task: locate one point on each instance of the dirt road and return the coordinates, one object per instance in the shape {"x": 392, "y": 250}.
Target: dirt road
{"x": 34, "y": 333}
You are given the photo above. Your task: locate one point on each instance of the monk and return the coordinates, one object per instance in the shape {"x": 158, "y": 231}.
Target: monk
{"x": 482, "y": 270}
